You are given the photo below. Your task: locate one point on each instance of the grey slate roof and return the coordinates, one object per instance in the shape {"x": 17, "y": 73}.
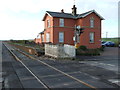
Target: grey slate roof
{"x": 69, "y": 15}
{"x": 59, "y": 14}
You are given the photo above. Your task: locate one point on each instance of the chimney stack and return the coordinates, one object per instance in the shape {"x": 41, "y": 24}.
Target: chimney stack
{"x": 62, "y": 11}
{"x": 74, "y": 10}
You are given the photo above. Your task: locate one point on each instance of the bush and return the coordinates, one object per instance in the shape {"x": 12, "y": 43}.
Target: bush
{"x": 82, "y": 50}
{"x": 101, "y": 48}
{"x": 82, "y": 47}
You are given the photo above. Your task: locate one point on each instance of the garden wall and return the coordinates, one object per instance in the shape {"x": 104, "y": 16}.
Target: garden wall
{"x": 60, "y": 51}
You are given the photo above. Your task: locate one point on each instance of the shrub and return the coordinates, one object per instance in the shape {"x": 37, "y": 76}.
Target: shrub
{"x": 82, "y": 47}
{"x": 101, "y": 48}
{"x": 87, "y": 52}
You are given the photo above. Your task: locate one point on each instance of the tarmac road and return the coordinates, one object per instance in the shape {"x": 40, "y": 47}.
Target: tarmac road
{"x": 109, "y": 60}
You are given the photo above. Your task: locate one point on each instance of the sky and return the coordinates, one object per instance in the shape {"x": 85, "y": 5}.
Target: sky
{"x": 22, "y": 19}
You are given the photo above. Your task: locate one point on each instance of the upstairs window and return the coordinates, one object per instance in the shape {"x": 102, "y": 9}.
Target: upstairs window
{"x": 92, "y": 22}
{"x": 48, "y": 23}
{"x": 61, "y": 22}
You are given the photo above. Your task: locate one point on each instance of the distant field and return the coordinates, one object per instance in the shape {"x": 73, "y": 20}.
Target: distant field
{"x": 115, "y": 40}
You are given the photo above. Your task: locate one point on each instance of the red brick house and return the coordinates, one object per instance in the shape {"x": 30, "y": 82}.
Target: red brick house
{"x": 59, "y": 27}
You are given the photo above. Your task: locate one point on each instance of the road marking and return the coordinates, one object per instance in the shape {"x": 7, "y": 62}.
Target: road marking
{"x": 1, "y": 80}
{"x": 116, "y": 81}
{"x": 100, "y": 64}
{"x": 110, "y": 64}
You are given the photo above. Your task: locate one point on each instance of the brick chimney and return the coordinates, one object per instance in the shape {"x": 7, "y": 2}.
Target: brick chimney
{"x": 62, "y": 11}
{"x": 74, "y": 10}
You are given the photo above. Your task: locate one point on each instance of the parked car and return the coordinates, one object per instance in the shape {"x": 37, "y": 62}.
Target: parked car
{"x": 108, "y": 44}
{"x": 119, "y": 45}
{"x": 103, "y": 43}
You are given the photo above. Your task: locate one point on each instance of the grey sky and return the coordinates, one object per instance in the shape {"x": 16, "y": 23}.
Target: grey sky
{"x": 22, "y": 19}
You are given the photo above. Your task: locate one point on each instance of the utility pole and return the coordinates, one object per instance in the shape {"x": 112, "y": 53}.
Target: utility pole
{"x": 106, "y": 34}
{"x": 74, "y": 2}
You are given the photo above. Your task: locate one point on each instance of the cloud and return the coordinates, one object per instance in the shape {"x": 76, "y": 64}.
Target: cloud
{"x": 22, "y": 19}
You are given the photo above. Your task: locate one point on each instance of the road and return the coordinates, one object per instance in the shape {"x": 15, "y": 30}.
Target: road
{"x": 109, "y": 60}
{"x": 29, "y": 73}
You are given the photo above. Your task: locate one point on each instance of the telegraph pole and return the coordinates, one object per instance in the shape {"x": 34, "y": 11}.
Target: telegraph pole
{"x": 106, "y": 34}
{"x": 74, "y": 2}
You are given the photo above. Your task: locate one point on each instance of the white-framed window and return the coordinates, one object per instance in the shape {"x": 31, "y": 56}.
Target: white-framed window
{"x": 48, "y": 23}
{"x": 47, "y": 37}
{"x": 61, "y": 37}
{"x": 61, "y": 22}
{"x": 92, "y": 22}
{"x": 92, "y": 37}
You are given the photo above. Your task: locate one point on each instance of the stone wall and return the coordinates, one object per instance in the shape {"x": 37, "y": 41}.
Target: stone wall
{"x": 60, "y": 51}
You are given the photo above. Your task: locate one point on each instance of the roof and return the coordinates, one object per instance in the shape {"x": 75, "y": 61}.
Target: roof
{"x": 69, "y": 15}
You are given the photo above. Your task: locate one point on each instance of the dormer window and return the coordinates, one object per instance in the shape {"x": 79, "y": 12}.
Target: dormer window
{"x": 92, "y": 22}
{"x": 48, "y": 23}
{"x": 61, "y": 22}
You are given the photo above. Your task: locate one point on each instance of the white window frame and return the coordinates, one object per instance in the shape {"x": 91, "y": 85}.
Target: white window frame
{"x": 92, "y": 34}
{"x": 61, "y": 22}
{"x": 47, "y": 37}
{"x": 61, "y": 37}
{"x": 92, "y": 22}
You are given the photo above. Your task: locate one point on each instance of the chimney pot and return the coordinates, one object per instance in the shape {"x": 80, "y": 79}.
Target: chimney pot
{"x": 62, "y": 11}
{"x": 74, "y": 10}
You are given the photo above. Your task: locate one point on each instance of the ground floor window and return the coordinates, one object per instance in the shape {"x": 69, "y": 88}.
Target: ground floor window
{"x": 61, "y": 37}
{"x": 47, "y": 37}
{"x": 92, "y": 37}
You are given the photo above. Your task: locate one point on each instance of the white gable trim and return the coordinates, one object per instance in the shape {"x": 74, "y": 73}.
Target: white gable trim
{"x": 45, "y": 15}
{"x": 48, "y": 14}
{"x": 95, "y": 13}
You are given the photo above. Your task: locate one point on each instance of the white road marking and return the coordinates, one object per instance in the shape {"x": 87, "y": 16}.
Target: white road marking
{"x": 101, "y": 64}
{"x": 116, "y": 81}
{"x": 110, "y": 64}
